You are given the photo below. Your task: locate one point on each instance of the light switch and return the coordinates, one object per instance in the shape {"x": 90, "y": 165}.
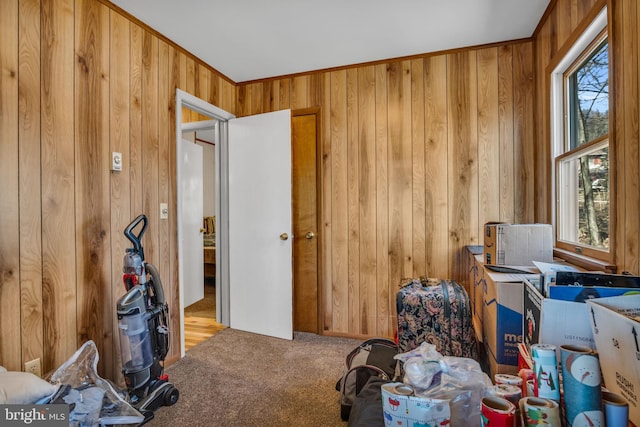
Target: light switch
{"x": 116, "y": 161}
{"x": 164, "y": 211}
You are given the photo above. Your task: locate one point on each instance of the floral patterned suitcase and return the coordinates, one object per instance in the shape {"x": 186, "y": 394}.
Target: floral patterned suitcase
{"x": 438, "y": 312}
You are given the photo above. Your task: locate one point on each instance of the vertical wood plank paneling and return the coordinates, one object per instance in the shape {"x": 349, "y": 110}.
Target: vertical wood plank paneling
{"x": 256, "y": 98}
{"x": 92, "y": 213}
{"x": 367, "y": 198}
{"x": 505, "y": 127}
{"x": 190, "y": 81}
{"x": 173, "y": 282}
{"x": 58, "y": 176}
{"x": 339, "y": 202}
{"x": 72, "y": 91}
{"x": 583, "y": 8}
{"x": 165, "y": 137}
{"x": 631, "y": 224}
{"x": 574, "y": 13}
{"x": 383, "y": 293}
{"x": 474, "y": 226}
{"x": 150, "y": 147}
{"x": 316, "y": 89}
{"x": 29, "y": 178}
{"x": 462, "y": 160}
{"x": 353, "y": 202}
{"x": 241, "y": 100}
{"x": 406, "y": 191}
{"x": 182, "y": 60}
{"x": 135, "y": 122}
{"x": 203, "y": 83}
{"x": 326, "y": 237}
{"x": 418, "y": 168}
{"x": 119, "y": 128}
{"x": 553, "y": 31}
{"x": 270, "y": 96}
{"x": 299, "y": 92}
{"x": 488, "y": 138}
{"x": 436, "y": 174}
{"x": 524, "y": 157}
{"x": 635, "y": 101}
{"x": 228, "y": 96}
{"x": 284, "y": 91}
{"x": 214, "y": 87}
{"x": 11, "y": 348}
{"x": 400, "y": 173}
{"x": 564, "y": 21}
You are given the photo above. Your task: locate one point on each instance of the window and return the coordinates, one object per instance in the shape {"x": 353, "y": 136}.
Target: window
{"x": 580, "y": 138}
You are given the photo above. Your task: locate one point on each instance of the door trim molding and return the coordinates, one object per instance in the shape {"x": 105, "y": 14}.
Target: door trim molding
{"x": 186, "y": 100}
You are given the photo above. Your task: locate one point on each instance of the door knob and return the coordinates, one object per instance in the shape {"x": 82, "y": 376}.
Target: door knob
{"x": 309, "y": 235}
{"x": 202, "y": 230}
{"x": 284, "y": 236}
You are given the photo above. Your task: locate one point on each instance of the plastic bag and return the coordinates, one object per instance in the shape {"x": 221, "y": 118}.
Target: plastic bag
{"x": 92, "y": 400}
{"x": 459, "y": 380}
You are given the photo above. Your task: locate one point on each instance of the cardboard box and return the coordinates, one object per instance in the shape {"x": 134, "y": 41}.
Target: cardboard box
{"x": 583, "y": 293}
{"x": 502, "y": 319}
{"x": 550, "y": 321}
{"x": 549, "y": 271}
{"x": 615, "y": 324}
{"x": 465, "y": 273}
{"x": 477, "y": 294}
{"x": 517, "y": 244}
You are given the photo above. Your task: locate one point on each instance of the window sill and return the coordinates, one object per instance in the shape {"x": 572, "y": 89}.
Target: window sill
{"x": 585, "y": 262}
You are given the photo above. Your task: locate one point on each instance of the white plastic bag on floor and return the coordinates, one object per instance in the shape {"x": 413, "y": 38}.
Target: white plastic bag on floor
{"x": 92, "y": 400}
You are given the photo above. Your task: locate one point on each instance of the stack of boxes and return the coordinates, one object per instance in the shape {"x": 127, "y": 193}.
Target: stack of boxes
{"x": 497, "y": 295}
{"x": 521, "y": 297}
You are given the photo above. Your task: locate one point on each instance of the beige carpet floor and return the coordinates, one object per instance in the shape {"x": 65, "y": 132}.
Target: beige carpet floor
{"x": 238, "y": 378}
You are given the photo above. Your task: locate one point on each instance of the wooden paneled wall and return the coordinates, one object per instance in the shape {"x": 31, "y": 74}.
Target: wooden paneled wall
{"x": 416, "y": 156}
{"x": 78, "y": 81}
{"x": 564, "y": 22}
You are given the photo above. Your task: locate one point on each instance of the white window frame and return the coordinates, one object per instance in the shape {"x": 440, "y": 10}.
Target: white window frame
{"x": 558, "y": 118}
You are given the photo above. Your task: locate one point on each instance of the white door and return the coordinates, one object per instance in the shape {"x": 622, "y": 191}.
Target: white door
{"x": 192, "y": 213}
{"x": 260, "y": 226}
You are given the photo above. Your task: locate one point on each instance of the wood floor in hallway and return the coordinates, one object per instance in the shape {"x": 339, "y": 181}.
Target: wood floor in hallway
{"x": 198, "y": 329}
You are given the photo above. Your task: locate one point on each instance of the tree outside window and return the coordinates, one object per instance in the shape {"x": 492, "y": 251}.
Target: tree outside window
{"x": 583, "y": 167}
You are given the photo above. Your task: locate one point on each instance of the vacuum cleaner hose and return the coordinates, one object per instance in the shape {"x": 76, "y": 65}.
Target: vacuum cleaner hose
{"x": 158, "y": 290}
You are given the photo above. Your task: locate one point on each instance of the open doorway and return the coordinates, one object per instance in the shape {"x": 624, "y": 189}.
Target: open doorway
{"x": 200, "y": 316}
{"x": 196, "y": 117}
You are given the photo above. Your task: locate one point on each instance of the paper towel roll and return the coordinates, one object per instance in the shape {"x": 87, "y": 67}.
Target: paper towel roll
{"x": 400, "y": 407}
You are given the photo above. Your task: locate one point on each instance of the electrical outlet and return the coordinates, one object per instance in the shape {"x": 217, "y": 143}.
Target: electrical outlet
{"x": 34, "y": 367}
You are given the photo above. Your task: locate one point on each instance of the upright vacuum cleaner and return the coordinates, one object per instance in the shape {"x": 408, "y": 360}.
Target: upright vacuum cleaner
{"x": 144, "y": 335}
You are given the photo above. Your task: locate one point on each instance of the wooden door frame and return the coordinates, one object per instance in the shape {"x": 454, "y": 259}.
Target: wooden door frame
{"x": 319, "y": 194}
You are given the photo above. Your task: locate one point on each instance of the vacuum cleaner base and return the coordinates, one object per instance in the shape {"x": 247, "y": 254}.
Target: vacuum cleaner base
{"x": 162, "y": 393}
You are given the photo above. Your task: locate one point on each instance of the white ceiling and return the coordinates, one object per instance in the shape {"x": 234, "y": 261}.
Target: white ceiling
{"x": 255, "y": 39}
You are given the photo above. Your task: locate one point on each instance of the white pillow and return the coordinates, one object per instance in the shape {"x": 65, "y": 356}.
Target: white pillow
{"x": 23, "y": 387}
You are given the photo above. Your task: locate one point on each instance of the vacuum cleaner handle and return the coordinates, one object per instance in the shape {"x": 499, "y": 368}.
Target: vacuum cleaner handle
{"x": 135, "y": 240}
